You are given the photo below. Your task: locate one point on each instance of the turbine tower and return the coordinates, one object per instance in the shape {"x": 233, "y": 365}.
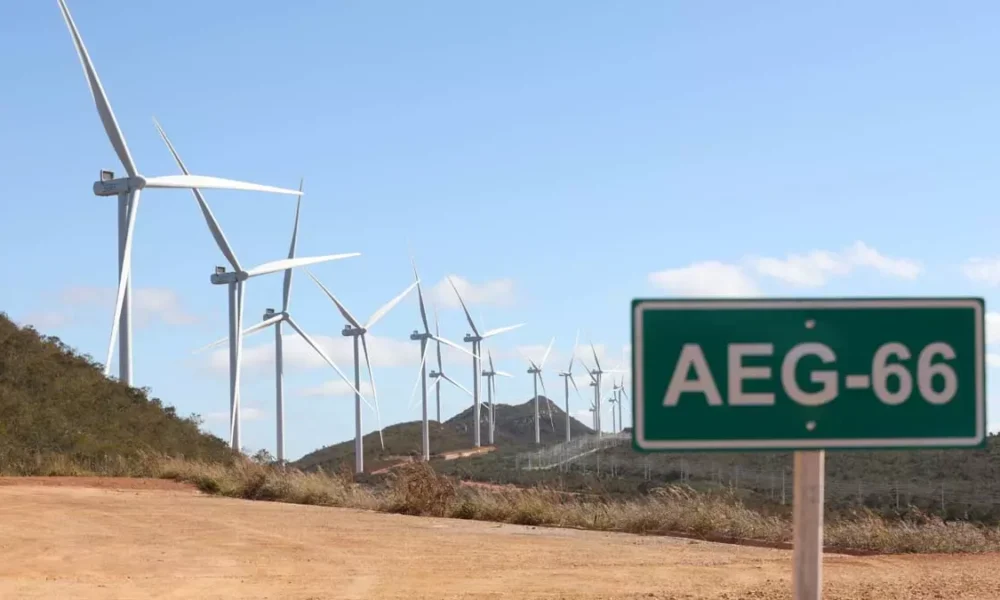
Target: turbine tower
{"x": 596, "y": 375}
{"x": 128, "y": 191}
{"x": 354, "y": 329}
{"x": 536, "y": 371}
{"x": 567, "y": 375}
{"x": 621, "y": 394}
{"x": 421, "y": 382}
{"x": 475, "y": 339}
{"x": 439, "y": 374}
{"x": 491, "y": 392}
{"x": 236, "y": 280}
{"x": 276, "y": 319}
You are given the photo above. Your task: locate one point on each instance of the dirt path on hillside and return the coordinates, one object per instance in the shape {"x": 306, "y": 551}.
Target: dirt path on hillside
{"x": 100, "y": 542}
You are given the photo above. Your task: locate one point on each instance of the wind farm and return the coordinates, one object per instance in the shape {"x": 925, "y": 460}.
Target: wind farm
{"x": 465, "y": 189}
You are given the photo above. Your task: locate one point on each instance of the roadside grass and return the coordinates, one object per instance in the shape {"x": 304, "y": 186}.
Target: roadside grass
{"x": 416, "y": 489}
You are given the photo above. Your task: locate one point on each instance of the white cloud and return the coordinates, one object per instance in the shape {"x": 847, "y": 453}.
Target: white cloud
{"x": 808, "y": 270}
{"x": 338, "y": 387}
{"x": 992, "y": 327}
{"x": 993, "y": 359}
{"x": 148, "y": 304}
{"x": 706, "y": 279}
{"x": 247, "y": 413}
{"x": 812, "y": 269}
{"x": 863, "y": 255}
{"x": 493, "y": 292}
{"x": 983, "y": 270}
{"x": 815, "y": 268}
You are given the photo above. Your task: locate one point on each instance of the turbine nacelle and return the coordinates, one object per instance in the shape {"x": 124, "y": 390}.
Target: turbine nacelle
{"x": 469, "y": 338}
{"x": 114, "y": 187}
{"x": 433, "y": 374}
{"x": 268, "y": 313}
{"x": 350, "y": 331}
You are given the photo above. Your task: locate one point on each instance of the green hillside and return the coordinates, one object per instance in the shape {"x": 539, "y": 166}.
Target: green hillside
{"x": 514, "y": 431}
{"x": 53, "y": 401}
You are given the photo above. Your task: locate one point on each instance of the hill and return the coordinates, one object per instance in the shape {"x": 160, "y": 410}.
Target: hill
{"x": 56, "y": 402}
{"x": 514, "y": 431}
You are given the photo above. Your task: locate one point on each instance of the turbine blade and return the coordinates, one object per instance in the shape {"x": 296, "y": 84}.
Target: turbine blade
{"x": 213, "y": 225}
{"x": 499, "y": 330}
{"x": 385, "y": 308}
{"x": 548, "y": 403}
{"x": 246, "y": 332}
{"x": 286, "y": 289}
{"x": 440, "y": 364}
{"x": 453, "y": 345}
{"x": 420, "y": 375}
{"x": 100, "y": 97}
{"x": 420, "y": 295}
{"x": 502, "y": 374}
{"x": 547, "y": 351}
{"x": 468, "y": 317}
{"x": 343, "y": 309}
{"x": 326, "y": 358}
{"x": 594, "y": 350}
{"x": 208, "y": 182}
{"x": 291, "y": 263}
{"x": 371, "y": 378}
{"x": 572, "y": 356}
{"x": 489, "y": 355}
{"x": 455, "y": 383}
{"x": 125, "y": 275}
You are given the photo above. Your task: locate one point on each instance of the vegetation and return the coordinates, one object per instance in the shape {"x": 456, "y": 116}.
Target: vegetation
{"x": 57, "y": 406}
{"x": 417, "y": 489}
{"x": 60, "y": 416}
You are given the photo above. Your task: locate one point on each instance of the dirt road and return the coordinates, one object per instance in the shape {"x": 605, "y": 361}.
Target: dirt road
{"x": 162, "y": 540}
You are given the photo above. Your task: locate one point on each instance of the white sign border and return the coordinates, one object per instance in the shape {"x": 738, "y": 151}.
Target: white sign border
{"x": 641, "y": 306}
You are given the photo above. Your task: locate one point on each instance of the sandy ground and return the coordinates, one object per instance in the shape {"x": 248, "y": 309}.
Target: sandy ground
{"x": 107, "y": 538}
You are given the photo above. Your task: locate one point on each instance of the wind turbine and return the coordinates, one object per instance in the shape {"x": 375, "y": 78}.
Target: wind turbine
{"x": 439, "y": 374}
{"x": 128, "y": 191}
{"x": 475, "y": 339}
{"x": 568, "y": 376}
{"x": 354, "y": 329}
{"x": 620, "y": 389}
{"x": 596, "y": 375}
{"x": 491, "y": 392}
{"x": 536, "y": 371}
{"x": 611, "y": 402}
{"x": 422, "y": 337}
{"x": 235, "y": 280}
{"x": 276, "y": 319}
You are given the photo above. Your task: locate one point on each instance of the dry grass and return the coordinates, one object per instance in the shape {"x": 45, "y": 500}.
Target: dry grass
{"x": 416, "y": 489}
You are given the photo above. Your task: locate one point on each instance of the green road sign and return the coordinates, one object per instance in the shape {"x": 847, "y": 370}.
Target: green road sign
{"x": 808, "y": 374}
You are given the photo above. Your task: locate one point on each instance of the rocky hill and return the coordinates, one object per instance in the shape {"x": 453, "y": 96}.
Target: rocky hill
{"x": 56, "y": 402}
{"x": 514, "y": 430}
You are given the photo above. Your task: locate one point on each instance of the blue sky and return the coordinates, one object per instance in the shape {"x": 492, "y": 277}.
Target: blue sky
{"x": 560, "y": 157}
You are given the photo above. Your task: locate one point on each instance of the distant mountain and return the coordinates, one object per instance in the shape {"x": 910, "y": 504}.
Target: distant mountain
{"x": 515, "y": 429}
{"x": 54, "y": 401}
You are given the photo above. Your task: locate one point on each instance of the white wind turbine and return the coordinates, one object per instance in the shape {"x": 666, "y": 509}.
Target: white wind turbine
{"x": 596, "y": 375}
{"x": 128, "y": 191}
{"x": 276, "y": 319}
{"x": 475, "y": 339}
{"x": 354, "y": 329}
{"x": 237, "y": 293}
{"x": 535, "y": 369}
{"x": 568, "y": 376}
{"x": 491, "y": 392}
{"x": 619, "y": 395}
{"x": 422, "y": 337}
{"x": 438, "y": 375}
